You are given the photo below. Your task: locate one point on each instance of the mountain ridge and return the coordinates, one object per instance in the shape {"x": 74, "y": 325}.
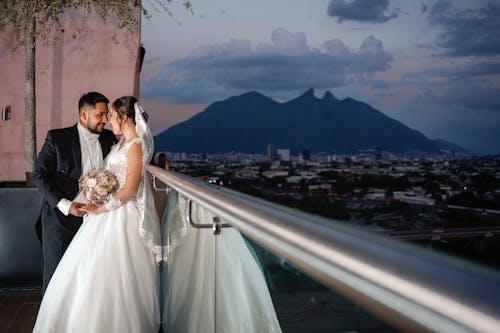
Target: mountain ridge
{"x": 248, "y": 122}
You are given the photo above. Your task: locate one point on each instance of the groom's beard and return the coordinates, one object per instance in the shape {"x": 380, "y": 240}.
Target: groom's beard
{"x": 97, "y": 128}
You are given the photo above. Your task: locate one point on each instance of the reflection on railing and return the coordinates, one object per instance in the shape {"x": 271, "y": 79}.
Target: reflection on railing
{"x": 406, "y": 286}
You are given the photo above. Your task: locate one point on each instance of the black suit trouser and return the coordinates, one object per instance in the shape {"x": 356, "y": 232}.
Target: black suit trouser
{"x": 57, "y": 233}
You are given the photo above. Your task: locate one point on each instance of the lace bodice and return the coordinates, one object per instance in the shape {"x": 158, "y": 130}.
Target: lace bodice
{"x": 116, "y": 161}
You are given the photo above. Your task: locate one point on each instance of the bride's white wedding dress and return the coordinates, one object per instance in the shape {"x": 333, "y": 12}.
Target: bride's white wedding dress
{"x": 107, "y": 281}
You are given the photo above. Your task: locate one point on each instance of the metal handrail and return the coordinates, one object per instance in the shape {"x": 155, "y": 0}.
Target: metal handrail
{"x": 410, "y": 287}
{"x": 216, "y": 225}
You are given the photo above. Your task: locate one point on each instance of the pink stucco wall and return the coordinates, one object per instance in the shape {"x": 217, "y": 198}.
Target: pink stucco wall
{"x": 64, "y": 71}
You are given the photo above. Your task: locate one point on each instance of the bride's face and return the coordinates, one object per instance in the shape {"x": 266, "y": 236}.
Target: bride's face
{"x": 113, "y": 120}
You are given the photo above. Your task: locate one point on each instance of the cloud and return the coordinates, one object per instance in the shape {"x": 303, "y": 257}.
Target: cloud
{"x": 467, "y": 32}
{"x": 371, "y": 11}
{"x": 372, "y": 49}
{"x": 458, "y": 94}
{"x": 152, "y": 60}
{"x": 425, "y": 46}
{"x": 286, "y": 42}
{"x": 464, "y": 73}
{"x": 477, "y": 132}
{"x": 381, "y": 84}
{"x": 283, "y": 68}
{"x": 423, "y": 7}
{"x": 464, "y": 110}
{"x": 470, "y": 87}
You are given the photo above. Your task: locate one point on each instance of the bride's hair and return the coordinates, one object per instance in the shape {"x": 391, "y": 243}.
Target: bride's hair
{"x": 124, "y": 106}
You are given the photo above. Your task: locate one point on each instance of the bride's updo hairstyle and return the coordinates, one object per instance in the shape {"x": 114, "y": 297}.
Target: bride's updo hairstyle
{"x": 124, "y": 106}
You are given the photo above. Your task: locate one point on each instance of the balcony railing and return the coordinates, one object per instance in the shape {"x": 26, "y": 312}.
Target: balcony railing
{"x": 406, "y": 286}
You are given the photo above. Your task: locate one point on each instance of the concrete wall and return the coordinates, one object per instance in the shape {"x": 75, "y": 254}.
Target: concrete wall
{"x": 64, "y": 71}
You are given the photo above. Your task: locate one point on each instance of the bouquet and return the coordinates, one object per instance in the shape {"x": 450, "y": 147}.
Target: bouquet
{"x": 97, "y": 185}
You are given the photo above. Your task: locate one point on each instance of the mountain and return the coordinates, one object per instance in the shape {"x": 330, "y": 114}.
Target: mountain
{"x": 249, "y": 122}
{"x": 449, "y": 146}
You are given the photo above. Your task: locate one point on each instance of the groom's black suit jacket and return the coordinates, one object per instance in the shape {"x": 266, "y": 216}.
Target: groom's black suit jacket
{"x": 57, "y": 170}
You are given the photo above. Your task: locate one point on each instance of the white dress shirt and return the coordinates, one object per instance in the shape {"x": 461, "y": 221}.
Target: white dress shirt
{"x": 91, "y": 159}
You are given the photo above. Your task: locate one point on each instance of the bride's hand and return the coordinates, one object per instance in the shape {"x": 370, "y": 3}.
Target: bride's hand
{"x": 91, "y": 208}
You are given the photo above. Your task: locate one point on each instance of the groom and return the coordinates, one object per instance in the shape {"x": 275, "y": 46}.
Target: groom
{"x": 67, "y": 154}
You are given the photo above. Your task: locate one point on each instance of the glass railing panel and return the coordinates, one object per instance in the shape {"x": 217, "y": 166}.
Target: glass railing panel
{"x": 222, "y": 282}
{"x": 212, "y": 282}
{"x": 304, "y": 305}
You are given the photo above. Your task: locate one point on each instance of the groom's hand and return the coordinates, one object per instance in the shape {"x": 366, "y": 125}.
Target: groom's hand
{"x": 75, "y": 209}
{"x": 90, "y": 208}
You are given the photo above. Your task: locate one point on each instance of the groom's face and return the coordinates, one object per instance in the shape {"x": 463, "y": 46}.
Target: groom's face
{"x": 95, "y": 118}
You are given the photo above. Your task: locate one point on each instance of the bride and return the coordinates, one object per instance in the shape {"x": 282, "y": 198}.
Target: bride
{"x": 107, "y": 281}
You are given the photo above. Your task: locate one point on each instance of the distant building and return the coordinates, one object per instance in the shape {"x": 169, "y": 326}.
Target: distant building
{"x": 377, "y": 194}
{"x": 306, "y": 154}
{"x": 412, "y": 197}
{"x": 283, "y": 155}
{"x": 339, "y": 158}
{"x": 294, "y": 179}
{"x": 251, "y": 172}
{"x": 270, "y": 153}
{"x": 378, "y": 153}
{"x": 319, "y": 189}
{"x": 278, "y": 173}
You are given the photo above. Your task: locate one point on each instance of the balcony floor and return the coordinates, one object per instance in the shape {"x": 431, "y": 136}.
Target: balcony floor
{"x": 18, "y": 310}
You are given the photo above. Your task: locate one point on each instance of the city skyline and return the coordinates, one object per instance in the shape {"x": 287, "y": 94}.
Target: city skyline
{"x": 432, "y": 65}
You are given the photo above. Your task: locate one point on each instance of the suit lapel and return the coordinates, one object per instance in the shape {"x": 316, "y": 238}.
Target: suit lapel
{"x": 104, "y": 146}
{"x": 77, "y": 152}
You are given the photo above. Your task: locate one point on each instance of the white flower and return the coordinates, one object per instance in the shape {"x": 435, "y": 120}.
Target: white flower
{"x": 91, "y": 182}
{"x": 102, "y": 191}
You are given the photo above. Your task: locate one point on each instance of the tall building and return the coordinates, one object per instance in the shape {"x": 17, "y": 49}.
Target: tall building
{"x": 378, "y": 153}
{"x": 270, "y": 153}
{"x": 306, "y": 154}
{"x": 64, "y": 72}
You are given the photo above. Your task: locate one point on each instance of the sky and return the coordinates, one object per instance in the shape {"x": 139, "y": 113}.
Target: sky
{"x": 434, "y": 65}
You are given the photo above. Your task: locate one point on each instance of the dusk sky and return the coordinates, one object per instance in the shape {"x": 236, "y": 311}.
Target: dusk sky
{"x": 433, "y": 65}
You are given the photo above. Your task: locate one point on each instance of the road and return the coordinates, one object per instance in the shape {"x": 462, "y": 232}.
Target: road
{"x": 440, "y": 233}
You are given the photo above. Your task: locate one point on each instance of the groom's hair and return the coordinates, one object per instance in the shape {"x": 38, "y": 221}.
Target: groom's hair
{"x": 91, "y": 99}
